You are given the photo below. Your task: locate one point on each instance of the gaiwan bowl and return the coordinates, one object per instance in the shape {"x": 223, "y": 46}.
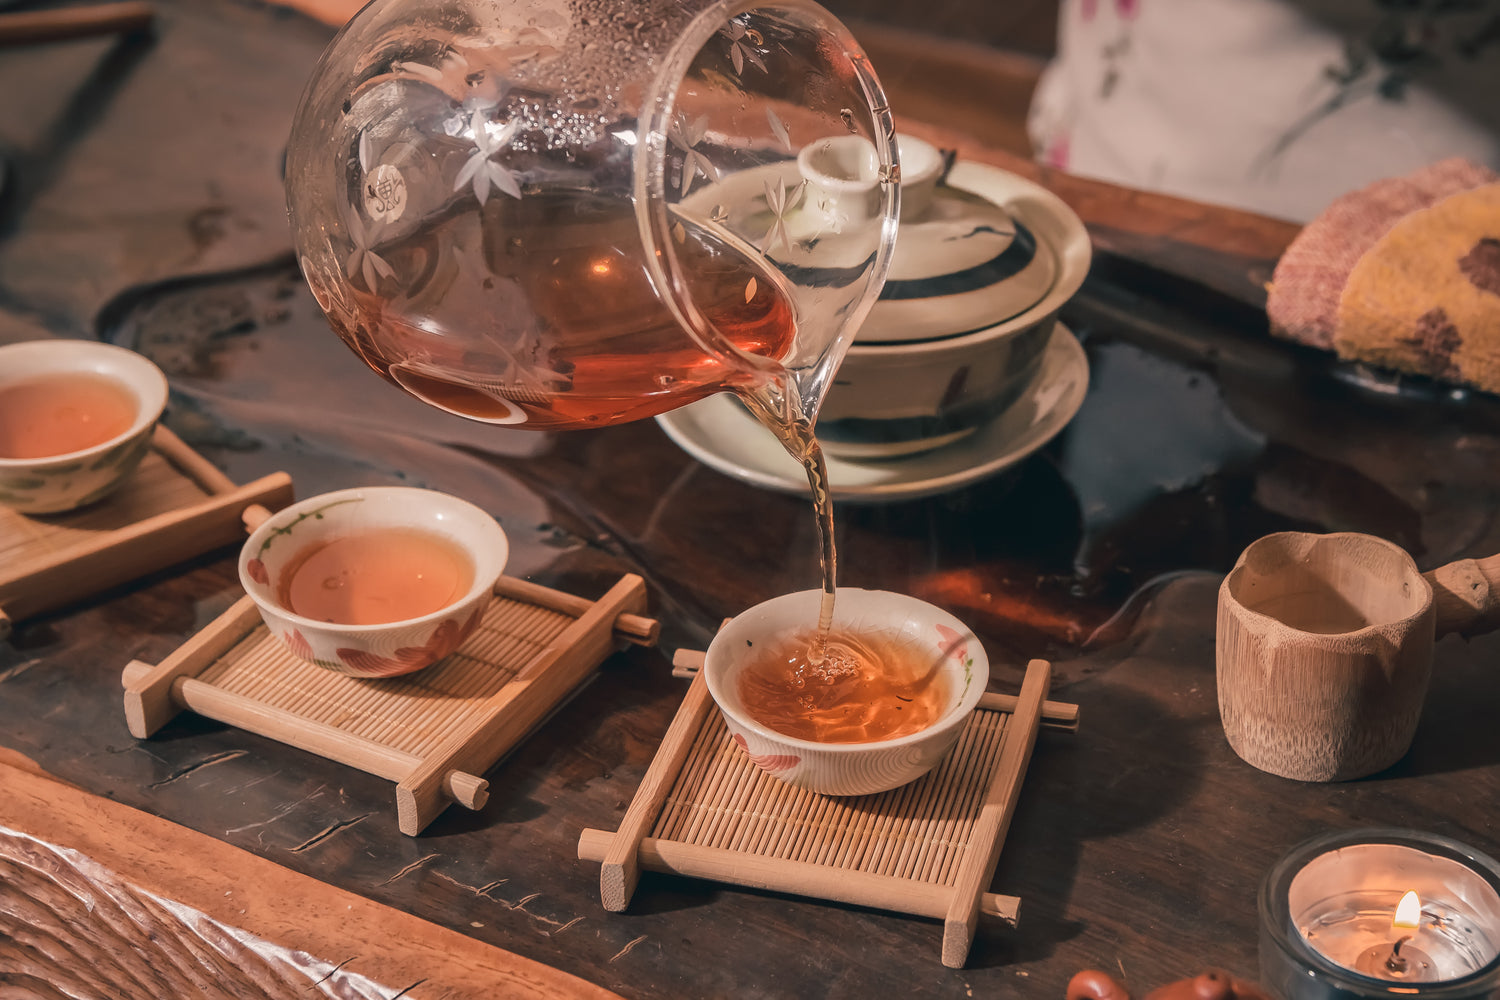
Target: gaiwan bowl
{"x": 51, "y": 484}
{"x": 984, "y": 261}
{"x": 849, "y": 768}
{"x": 391, "y": 648}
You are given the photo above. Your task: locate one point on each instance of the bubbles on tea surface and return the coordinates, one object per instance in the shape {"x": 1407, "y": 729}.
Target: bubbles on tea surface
{"x": 828, "y": 659}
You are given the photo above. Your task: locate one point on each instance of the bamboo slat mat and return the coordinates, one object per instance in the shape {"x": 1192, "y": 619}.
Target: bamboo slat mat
{"x": 175, "y": 505}
{"x": 928, "y": 848}
{"x": 919, "y": 831}
{"x": 411, "y": 714}
{"x": 434, "y": 732}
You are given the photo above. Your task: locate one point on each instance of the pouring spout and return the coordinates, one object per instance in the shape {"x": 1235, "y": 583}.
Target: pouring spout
{"x": 792, "y": 398}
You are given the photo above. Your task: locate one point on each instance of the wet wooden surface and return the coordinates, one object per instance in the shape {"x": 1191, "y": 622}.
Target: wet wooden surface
{"x": 149, "y": 213}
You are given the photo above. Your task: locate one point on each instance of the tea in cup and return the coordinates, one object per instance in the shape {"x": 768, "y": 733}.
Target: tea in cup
{"x": 876, "y": 707}
{"x": 76, "y": 418}
{"x": 374, "y": 581}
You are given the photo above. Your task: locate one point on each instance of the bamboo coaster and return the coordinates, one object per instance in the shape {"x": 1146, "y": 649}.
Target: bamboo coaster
{"x": 433, "y": 732}
{"x": 928, "y": 848}
{"x": 174, "y": 506}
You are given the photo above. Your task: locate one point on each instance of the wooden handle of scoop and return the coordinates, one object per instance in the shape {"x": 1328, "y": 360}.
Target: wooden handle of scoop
{"x": 1466, "y": 594}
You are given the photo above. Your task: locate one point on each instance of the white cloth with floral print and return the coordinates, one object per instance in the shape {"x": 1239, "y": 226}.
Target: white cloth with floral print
{"x": 1273, "y": 106}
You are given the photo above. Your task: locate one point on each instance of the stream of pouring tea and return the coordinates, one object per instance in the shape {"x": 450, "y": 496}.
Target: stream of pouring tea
{"x": 795, "y": 432}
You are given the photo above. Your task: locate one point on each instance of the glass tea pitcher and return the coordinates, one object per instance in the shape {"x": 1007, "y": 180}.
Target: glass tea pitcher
{"x": 572, "y": 213}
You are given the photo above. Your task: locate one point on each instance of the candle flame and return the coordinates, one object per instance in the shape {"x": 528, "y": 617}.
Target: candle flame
{"x": 1408, "y": 911}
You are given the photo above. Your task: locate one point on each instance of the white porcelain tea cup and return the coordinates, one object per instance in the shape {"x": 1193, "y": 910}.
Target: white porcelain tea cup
{"x": 849, "y": 768}
{"x": 55, "y": 483}
{"x": 388, "y": 649}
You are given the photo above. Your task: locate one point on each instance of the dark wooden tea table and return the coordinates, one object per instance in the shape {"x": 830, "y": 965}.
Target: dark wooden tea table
{"x": 142, "y": 206}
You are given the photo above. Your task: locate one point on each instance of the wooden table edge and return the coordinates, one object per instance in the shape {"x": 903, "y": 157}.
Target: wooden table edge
{"x": 277, "y": 904}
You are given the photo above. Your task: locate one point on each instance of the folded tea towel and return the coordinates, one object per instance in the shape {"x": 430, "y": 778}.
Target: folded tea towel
{"x": 1404, "y": 274}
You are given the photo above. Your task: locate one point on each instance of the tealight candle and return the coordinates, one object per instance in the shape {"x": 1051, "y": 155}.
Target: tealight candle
{"x": 1381, "y": 913}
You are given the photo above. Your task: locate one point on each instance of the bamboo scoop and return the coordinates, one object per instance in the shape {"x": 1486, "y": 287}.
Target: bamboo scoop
{"x": 1324, "y": 648}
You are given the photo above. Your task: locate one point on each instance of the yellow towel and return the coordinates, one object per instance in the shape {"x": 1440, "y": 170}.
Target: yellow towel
{"x": 1426, "y": 297}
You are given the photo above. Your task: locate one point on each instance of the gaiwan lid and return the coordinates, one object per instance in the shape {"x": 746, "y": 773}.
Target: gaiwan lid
{"x": 961, "y": 263}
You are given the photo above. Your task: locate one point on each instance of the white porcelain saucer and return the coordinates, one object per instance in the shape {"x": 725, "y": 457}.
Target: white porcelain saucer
{"x": 719, "y": 433}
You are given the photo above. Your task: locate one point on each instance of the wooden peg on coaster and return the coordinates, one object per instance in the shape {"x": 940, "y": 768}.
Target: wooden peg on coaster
{"x": 621, "y": 868}
{"x": 629, "y": 627}
{"x": 253, "y": 517}
{"x": 185, "y": 692}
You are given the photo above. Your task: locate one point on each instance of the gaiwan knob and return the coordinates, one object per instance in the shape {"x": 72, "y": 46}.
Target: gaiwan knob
{"x": 1214, "y": 984}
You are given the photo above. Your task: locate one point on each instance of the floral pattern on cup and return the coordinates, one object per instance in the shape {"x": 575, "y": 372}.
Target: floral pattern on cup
{"x": 256, "y": 565}
{"x": 772, "y": 762}
{"x": 384, "y": 649}
{"x": 445, "y": 639}
{"x": 956, "y": 645}
{"x": 60, "y": 483}
{"x": 298, "y": 646}
{"x": 45, "y": 488}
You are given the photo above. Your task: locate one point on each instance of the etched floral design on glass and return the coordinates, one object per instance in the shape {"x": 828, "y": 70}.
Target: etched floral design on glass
{"x": 480, "y": 170}
{"x": 780, "y": 202}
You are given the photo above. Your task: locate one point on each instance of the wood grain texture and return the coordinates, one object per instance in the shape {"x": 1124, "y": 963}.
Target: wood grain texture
{"x": 96, "y": 902}
{"x": 1466, "y": 594}
{"x": 320, "y": 738}
{"x": 148, "y": 696}
{"x": 1324, "y": 651}
{"x": 633, "y": 628}
{"x": 498, "y": 722}
{"x": 800, "y": 878}
{"x": 621, "y": 867}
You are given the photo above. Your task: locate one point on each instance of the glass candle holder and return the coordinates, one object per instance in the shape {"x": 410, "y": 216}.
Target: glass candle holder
{"x": 1330, "y": 927}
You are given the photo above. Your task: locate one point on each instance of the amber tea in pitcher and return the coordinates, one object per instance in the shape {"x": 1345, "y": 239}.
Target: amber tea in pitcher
{"x": 552, "y": 223}
{"x": 602, "y": 347}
